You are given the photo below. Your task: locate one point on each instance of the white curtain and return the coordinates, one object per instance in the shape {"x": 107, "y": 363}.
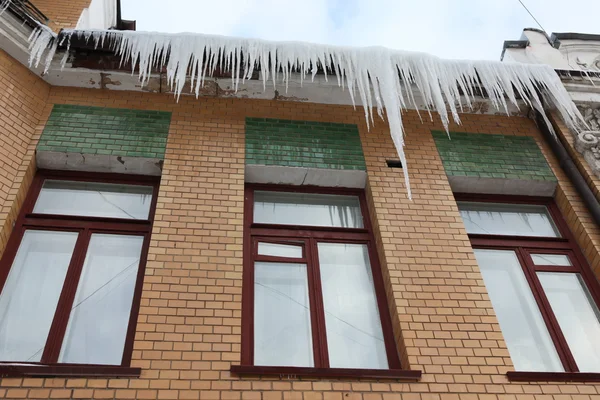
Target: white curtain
{"x": 30, "y": 295}
{"x": 100, "y": 314}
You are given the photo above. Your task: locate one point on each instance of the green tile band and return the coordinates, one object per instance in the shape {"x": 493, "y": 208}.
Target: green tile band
{"x": 303, "y": 144}
{"x": 110, "y": 131}
{"x": 492, "y": 156}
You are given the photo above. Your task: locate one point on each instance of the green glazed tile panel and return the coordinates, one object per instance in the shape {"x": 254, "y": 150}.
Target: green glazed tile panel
{"x": 110, "y": 131}
{"x": 492, "y": 156}
{"x": 303, "y": 144}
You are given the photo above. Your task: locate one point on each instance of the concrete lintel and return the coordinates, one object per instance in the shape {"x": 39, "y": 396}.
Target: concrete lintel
{"x": 99, "y": 163}
{"x": 305, "y": 176}
{"x": 471, "y": 184}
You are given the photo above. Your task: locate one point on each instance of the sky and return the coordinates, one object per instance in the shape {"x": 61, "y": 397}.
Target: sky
{"x": 456, "y": 29}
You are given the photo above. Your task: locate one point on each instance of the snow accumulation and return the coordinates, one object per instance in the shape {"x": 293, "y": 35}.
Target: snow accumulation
{"x": 383, "y": 79}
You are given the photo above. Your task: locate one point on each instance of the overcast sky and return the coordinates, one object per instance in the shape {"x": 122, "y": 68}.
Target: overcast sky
{"x": 473, "y": 29}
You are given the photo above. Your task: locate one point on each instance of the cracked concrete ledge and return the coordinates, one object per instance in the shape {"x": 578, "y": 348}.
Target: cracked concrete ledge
{"x": 99, "y": 163}
{"x": 523, "y": 187}
{"x": 297, "y": 176}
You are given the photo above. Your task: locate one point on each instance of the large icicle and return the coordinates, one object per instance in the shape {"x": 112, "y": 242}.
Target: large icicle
{"x": 382, "y": 77}
{"x": 42, "y": 40}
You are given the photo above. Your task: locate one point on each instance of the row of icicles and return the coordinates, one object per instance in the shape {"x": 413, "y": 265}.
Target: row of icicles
{"x": 382, "y": 79}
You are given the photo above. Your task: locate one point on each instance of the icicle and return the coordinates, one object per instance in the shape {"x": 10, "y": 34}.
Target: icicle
{"x": 42, "y": 40}
{"x": 383, "y": 79}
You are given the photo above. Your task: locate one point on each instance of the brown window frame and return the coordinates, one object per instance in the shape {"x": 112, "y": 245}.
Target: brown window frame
{"x": 524, "y": 246}
{"x": 307, "y": 237}
{"x": 85, "y": 226}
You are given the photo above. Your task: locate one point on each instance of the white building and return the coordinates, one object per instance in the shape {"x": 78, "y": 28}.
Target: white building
{"x": 576, "y": 58}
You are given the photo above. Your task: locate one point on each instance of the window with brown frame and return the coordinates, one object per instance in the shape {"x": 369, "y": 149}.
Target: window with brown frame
{"x": 71, "y": 275}
{"x": 543, "y": 291}
{"x": 313, "y": 294}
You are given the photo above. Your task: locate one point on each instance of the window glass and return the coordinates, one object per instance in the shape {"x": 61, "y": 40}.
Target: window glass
{"x": 524, "y": 330}
{"x": 577, "y": 315}
{"x": 91, "y": 199}
{"x": 282, "y": 328}
{"x": 97, "y": 327}
{"x": 551, "y": 259}
{"x": 31, "y": 292}
{"x": 279, "y": 250}
{"x": 307, "y": 209}
{"x": 507, "y": 219}
{"x": 353, "y": 325}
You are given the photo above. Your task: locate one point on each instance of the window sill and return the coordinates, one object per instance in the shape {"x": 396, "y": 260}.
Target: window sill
{"x": 40, "y": 370}
{"x": 393, "y": 374}
{"x": 521, "y": 376}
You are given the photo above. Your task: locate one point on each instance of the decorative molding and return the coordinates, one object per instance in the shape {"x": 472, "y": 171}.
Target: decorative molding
{"x": 593, "y": 65}
{"x": 587, "y": 141}
{"x": 582, "y": 54}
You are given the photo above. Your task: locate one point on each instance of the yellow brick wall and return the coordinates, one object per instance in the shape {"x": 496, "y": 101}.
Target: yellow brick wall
{"x": 188, "y": 332}
{"x": 22, "y": 100}
{"x": 61, "y": 13}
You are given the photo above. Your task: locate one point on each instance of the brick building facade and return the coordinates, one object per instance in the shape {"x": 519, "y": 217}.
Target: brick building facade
{"x": 190, "y": 327}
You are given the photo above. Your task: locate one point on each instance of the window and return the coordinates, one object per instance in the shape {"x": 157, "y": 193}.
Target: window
{"x": 313, "y": 290}
{"x": 542, "y": 290}
{"x": 71, "y": 275}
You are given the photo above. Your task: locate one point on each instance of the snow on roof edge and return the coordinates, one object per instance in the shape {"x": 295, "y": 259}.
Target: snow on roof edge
{"x": 383, "y": 78}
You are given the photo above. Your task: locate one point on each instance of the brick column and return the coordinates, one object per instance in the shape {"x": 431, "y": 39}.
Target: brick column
{"x": 22, "y": 99}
